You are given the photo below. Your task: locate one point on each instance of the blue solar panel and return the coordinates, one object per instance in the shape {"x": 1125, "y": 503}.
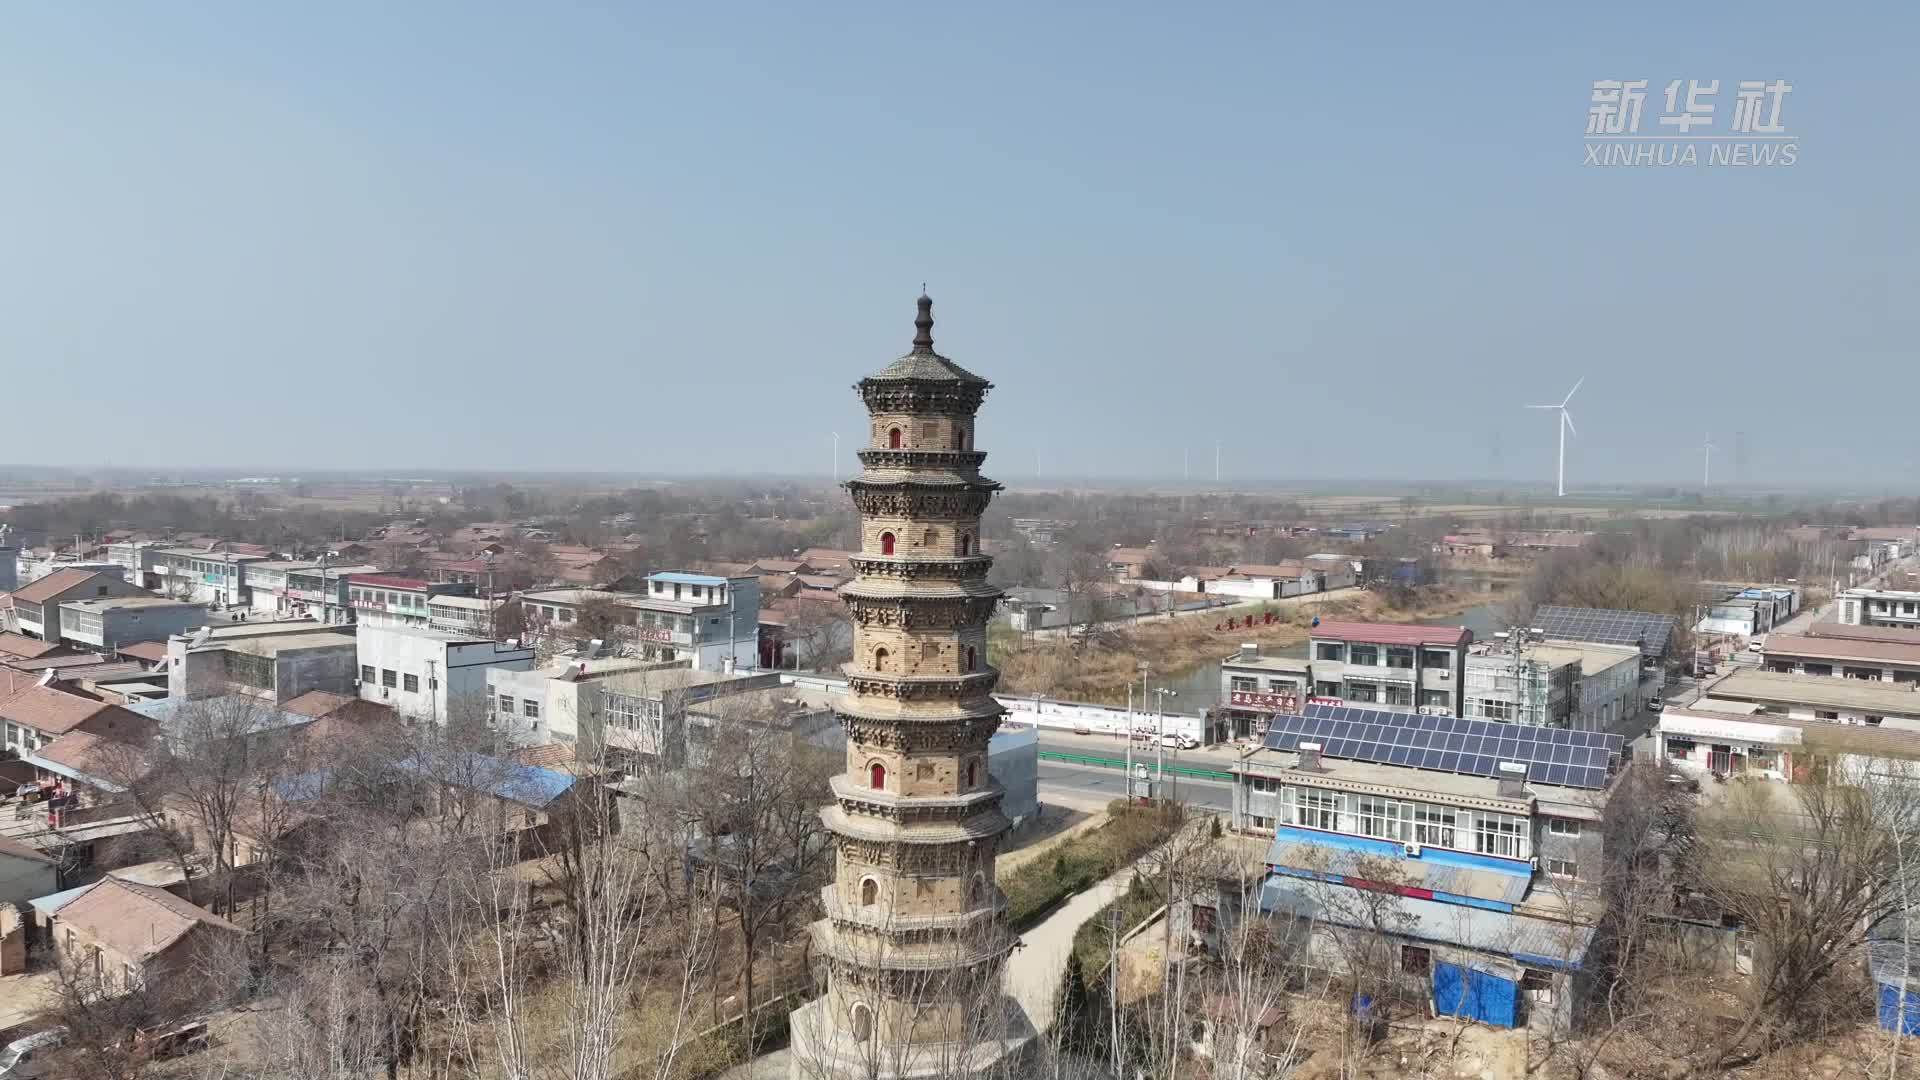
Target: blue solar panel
{"x": 1469, "y": 746}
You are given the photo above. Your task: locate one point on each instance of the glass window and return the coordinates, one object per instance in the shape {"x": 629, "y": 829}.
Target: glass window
{"x": 1559, "y": 826}
{"x": 1367, "y": 655}
{"x": 1437, "y": 658}
{"x": 506, "y": 704}
{"x": 1399, "y": 657}
{"x": 530, "y": 709}
{"x": 1398, "y": 694}
{"x": 1561, "y": 868}
{"x": 1434, "y": 825}
{"x": 410, "y": 683}
{"x": 1382, "y": 818}
{"x": 1245, "y": 686}
{"x": 1319, "y": 809}
{"x": 389, "y": 677}
{"x": 1329, "y": 650}
{"x": 1502, "y": 835}
{"x": 1362, "y": 691}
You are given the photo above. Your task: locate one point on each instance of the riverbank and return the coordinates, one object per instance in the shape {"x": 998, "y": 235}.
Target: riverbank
{"x": 1100, "y": 670}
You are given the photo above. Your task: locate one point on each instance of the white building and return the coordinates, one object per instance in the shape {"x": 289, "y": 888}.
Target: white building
{"x": 1583, "y": 687}
{"x": 1862, "y": 702}
{"x": 430, "y": 674}
{"x": 710, "y": 621}
{"x": 1879, "y": 607}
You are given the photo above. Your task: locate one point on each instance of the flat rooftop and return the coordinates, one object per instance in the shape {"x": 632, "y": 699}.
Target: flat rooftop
{"x": 1818, "y": 691}
{"x": 278, "y": 643}
{"x": 129, "y": 603}
{"x": 1294, "y": 664}
{"x": 1268, "y": 762}
{"x": 1837, "y": 648}
{"x": 1593, "y": 659}
{"x": 1815, "y": 735}
{"x": 661, "y": 680}
{"x": 423, "y": 634}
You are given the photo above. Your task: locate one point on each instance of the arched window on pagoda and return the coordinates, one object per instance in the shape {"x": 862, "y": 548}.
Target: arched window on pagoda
{"x": 966, "y": 544}
{"x": 886, "y": 543}
{"x": 879, "y": 659}
{"x": 877, "y": 776}
{"x": 973, "y": 775}
{"x": 973, "y": 659}
{"x": 869, "y": 892}
{"x": 893, "y": 438}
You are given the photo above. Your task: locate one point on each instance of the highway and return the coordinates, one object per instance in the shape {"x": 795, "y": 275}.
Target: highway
{"x": 1092, "y": 782}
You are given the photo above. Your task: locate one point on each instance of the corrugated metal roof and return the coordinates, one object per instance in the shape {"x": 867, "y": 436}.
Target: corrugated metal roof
{"x": 1526, "y": 940}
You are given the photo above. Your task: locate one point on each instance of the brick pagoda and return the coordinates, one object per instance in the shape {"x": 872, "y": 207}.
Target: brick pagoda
{"x": 914, "y": 940}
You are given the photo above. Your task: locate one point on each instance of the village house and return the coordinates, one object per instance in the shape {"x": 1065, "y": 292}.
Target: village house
{"x": 130, "y": 935}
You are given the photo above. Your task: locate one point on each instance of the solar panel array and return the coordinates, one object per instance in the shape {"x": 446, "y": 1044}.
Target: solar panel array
{"x": 1606, "y": 627}
{"x": 1449, "y": 744}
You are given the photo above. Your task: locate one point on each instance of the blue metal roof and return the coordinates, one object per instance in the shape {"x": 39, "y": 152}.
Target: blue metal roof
{"x": 683, "y": 577}
{"x": 1464, "y": 877}
{"x": 1542, "y": 943}
{"x": 528, "y": 785}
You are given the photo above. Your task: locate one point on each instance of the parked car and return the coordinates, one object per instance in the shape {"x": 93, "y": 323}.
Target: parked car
{"x": 1758, "y": 644}
{"x": 21, "y": 1060}
{"x": 1180, "y": 742}
{"x": 1654, "y": 704}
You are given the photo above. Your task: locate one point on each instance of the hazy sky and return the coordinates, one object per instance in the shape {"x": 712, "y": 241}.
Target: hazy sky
{"x": 1346, "y": 239}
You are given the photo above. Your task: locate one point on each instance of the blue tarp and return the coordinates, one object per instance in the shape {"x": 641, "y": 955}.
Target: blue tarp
{"x": 1476, "y": 995}
{"x": 1891, "y": 1007}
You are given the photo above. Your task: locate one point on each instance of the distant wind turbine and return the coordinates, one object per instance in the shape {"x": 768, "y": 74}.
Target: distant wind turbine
{"x": 1566, "y": 425}
{"x": 1706, "y": 467}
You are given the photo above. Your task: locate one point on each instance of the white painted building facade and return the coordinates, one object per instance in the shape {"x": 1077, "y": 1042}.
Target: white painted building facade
{"x": 429, "y": 674}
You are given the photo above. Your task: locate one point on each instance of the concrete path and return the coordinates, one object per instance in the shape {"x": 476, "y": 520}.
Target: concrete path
{"x": 1035, "y": 969}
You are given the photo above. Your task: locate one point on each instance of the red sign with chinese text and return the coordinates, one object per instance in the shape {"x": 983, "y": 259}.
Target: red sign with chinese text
{"x": 1279, "y": 703}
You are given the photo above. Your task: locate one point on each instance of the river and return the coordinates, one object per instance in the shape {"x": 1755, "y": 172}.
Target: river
{"x": 1200, "y": 688}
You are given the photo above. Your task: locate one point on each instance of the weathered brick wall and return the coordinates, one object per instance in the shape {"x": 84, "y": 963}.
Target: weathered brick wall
{"x": 921, "y": 432}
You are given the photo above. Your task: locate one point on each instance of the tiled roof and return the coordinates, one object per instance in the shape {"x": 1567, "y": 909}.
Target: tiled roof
{"x": 318, "y": 703}
{"x": 1837, "y": 648}
{"x": 52, "y": 711}
{"x": 96, "y": 757}
{"x": 145, "y": 650}
{"x": 1863, "y": 633}
{"x": 53, "y": 585}
{"x": 825, "y": 557}
{"x": 136, "y": 920}
{"x": 10, "y": 846}
{"x": 928, "y": 366}
{"x": 1392, "y": 633}
{"x": 545, "y": 755}
{"x": 24, "y": 647}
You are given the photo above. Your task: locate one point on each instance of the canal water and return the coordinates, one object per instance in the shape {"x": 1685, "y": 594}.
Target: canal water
{"x": 1200, "y": 688}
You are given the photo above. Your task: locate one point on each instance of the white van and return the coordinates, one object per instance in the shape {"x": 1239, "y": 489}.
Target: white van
{"x": 1180, "y": 742}
{"x": 21, "y": 1059}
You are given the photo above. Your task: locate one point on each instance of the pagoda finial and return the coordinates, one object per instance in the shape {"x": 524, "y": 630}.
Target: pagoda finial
{"x": 923, "y": 323}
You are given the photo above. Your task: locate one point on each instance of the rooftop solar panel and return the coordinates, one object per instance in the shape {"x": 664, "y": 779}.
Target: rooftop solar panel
{"x": 1467, "y": 746}
{"x": 1606, "y": 626}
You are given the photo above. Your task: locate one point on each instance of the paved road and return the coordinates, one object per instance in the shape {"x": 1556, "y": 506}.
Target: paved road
{"x": 1088, "y": 781}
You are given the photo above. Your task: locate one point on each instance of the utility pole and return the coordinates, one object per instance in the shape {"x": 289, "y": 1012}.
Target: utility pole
{"x": 1160, "y": 741}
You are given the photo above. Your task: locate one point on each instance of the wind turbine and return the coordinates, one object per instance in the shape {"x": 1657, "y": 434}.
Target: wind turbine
{"x": 1566, "y": 425}
{"x": 1706, "y": 467}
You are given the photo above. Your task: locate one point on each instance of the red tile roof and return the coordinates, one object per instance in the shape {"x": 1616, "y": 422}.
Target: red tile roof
{"x": 114, "y": 760}
{"x": 318, "y": 703}
{"x": 136, "y": 920}
{"x": 54, "y": 711}
{"x": 1391, "y": 633}
{"x": 53, "y": 585}
{"x": 154, "y": 651}
{"x": 10, "y": 846}
{"x": 26, "y": 648}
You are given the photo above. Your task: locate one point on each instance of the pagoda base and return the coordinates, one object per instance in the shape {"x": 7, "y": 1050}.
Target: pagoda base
{"x": 822, "y": 1050}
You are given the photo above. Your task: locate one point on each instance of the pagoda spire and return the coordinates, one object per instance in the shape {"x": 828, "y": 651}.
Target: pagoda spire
{"x": 923, "y": 324}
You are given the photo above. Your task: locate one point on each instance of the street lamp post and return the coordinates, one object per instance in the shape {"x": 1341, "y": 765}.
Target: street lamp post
{"x": 1160, "y": 739}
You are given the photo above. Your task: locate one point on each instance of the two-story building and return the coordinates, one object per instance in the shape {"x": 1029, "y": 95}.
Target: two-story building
{"x": 36, "y": 606}
{"x": 1416, "y": 668}
{"x": 395, "y": 600}
{"x": 1879, "y": 607}
{"x": 1489, "y": 835}
{"x": 431, "y": 675}
{"x": 208, "y": 575}
{"x": 1585, "y": 687}
{"x": 1254, "y": 688}
{"x": 106, "y": 623}
{"x": 274, "y": 661}
{"x": 322, "y": 591}
{"x": 711, "y": 621}
{"x": 633, "y": 706}
{"x": 1738, "y": 738}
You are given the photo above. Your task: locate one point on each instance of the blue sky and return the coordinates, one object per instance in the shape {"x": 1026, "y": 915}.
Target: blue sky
{"x": 1345, "y": 240}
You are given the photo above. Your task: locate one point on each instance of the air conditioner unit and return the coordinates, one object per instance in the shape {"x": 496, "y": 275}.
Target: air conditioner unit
{"x": 1534, "y": 863}
{"x": 1445, "y": 674}
{"x": 386, "y": 691}
{"x": 1411, "y": 849}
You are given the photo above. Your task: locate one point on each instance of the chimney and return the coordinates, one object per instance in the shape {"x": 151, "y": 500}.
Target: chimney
{"x": 1250, "y": 650}
{"x": 1513, "y": 780}
{"x": 1309, "y": 757}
